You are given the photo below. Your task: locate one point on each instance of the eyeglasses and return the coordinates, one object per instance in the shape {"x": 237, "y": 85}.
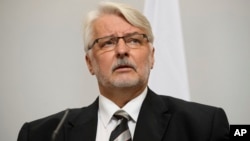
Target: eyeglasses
{"x": 134, "y": 40}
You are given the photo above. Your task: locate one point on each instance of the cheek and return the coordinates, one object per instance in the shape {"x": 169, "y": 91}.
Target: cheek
{"x": 102, "y": 64}
{"x": 104, "y": 67}
{"x": 144, "y": 62}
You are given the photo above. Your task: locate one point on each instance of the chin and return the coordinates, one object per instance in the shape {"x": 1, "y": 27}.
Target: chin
{"x": 125, "y": 83}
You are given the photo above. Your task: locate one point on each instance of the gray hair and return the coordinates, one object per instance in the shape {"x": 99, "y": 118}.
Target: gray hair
{"x": 133, "y": 16}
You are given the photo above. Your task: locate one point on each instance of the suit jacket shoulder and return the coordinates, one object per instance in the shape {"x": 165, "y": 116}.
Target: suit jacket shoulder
{"x": 191, "y": 121}
{"x": 42, "y": 129}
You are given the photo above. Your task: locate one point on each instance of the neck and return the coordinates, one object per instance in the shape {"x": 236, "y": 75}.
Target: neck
{"x": 121, "y": 96}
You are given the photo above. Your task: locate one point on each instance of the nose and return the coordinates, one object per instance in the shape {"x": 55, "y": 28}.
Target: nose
{"x": 121, "y": 48}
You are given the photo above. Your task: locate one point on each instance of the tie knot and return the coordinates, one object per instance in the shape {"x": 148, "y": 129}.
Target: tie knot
{"x": 121, "y": 114}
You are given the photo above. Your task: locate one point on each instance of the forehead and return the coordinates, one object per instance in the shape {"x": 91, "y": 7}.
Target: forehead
{"x": 109, "y": 24}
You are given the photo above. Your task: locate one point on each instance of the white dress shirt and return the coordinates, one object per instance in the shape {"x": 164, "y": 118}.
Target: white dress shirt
{"x": 106, "y": 123}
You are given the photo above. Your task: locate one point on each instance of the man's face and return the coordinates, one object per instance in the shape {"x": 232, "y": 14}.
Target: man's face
{"x": 122, "y": 66}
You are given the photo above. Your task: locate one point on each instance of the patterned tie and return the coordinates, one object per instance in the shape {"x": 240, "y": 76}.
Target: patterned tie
{"x": 121, "y": 132}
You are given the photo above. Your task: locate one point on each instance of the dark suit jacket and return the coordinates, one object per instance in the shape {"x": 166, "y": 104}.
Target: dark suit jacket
{"x": 162, "y": 118}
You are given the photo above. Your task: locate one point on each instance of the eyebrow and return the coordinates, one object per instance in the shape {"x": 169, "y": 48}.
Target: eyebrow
{"x": 112, "y": 35}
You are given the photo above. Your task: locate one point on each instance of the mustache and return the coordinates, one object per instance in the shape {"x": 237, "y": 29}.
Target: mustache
{"x": 123, "y": 63}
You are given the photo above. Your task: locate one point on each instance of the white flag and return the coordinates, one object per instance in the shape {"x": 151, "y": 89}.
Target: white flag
{"x": 169, "y": 75}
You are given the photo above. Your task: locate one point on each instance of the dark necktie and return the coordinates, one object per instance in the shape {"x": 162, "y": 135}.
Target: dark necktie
{"x": 121, "y": 132}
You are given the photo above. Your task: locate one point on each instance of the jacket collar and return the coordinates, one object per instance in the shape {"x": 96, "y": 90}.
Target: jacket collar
{"x": 82, "y": 124}
{"x": 152, "y": 121}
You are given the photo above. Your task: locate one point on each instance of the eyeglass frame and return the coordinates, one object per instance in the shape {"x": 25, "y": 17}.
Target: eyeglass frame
{"x": 117, "y": 38}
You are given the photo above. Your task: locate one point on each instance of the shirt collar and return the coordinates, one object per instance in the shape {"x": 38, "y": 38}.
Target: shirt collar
{"x": 107, "y": 108}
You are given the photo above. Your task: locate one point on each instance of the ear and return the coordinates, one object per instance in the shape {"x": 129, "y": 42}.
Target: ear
{"x": 89, "y": 64}
{"x": 152, "y": 57}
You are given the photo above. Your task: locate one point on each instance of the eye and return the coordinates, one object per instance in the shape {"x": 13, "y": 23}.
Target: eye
{"x": 133, "y": 41}
{"x": 107, "y": 43}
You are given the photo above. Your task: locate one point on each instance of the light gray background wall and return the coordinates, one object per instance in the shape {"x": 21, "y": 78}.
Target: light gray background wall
{"x": 42, "y": 67}
{"x": 217, "y": 44}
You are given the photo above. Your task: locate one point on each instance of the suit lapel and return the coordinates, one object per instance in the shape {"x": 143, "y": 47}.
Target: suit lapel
{"x": 151, "y": 125}
{"x": 153, "y": 119}
{"x": 83, "y": 124}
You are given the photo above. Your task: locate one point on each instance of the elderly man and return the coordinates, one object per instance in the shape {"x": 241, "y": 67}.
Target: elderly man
{"x": 119, "y": 52}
